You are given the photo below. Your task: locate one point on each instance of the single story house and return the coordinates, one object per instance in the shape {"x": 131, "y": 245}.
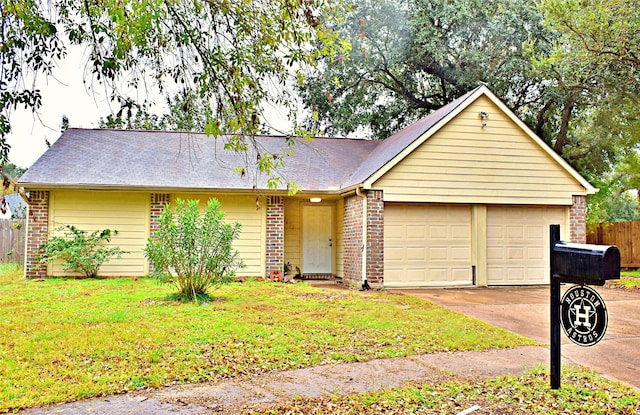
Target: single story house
{"x": 463, "y": 197}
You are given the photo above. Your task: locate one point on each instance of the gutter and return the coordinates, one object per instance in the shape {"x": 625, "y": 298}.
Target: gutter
{"x": 365, "y": 284}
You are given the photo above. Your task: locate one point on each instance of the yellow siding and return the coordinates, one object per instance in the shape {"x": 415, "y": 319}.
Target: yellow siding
{"x": 127, "y": 212}
{"x": 292, "y": 234}
{"x": 241, "y": 209}
{"x": 339, "y": 244}
{"x": 465, "y": 163}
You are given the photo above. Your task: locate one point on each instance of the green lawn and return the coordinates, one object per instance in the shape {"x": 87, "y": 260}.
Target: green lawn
{"x": 62, "y": 340}
{"x": 628, "y": 279}
{"x": 582, "y": 392}
{"x": 10, "y": 272}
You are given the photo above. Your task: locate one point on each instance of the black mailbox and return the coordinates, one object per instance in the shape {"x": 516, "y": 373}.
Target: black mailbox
{"x": 585, "y": 263}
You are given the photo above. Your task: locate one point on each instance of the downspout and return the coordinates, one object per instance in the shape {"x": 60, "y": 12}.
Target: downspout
{"x": 365, "y": 284}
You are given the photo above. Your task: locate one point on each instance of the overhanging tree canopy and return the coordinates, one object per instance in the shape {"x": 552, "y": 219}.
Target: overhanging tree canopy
{"x": 233, "y": 55}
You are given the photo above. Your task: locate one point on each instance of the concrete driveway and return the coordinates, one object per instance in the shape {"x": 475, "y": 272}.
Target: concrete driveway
{"x": 525, "y": 310}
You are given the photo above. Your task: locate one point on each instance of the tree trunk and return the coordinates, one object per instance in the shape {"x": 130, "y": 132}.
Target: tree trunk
{"x": 569, "y": 105}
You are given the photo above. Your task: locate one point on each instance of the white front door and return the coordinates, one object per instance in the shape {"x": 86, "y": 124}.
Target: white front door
{"x": 317, "y": 240}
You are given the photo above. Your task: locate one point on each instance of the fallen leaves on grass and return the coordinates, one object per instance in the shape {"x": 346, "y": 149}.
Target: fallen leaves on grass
{"x": 582, "y": 392}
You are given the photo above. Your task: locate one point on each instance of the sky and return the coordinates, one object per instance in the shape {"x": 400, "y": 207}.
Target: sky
{"x": 63, "y": 93}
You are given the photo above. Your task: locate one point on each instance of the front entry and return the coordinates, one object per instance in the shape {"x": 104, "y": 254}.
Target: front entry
{"x": 317, "y": 234}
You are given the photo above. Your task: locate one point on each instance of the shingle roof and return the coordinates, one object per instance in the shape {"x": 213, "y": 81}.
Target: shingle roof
{"x": 85, "y": 158}
{"x": 94, "y": 158}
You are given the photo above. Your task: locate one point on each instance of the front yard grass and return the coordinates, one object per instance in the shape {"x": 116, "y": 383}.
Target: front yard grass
{"x": 582, "y": 392}
{"x": 10, "y": 272}
{"x": 628, "y": 279}
{"x": 62, "y": 340}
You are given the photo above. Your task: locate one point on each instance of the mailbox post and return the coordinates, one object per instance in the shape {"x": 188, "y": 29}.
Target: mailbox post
{"x": 582, "y": 264}
{"x": 554, "y": 283}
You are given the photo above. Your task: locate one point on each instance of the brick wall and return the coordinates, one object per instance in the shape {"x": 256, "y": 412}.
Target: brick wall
{"x": 37, "y": 231}
{"x": 275, "y": 234}
{"x": 158, "y": 203}
{"x": 352, "y": 251}
{"x": 375, "y": 237}
{"x": 578, "y": 220}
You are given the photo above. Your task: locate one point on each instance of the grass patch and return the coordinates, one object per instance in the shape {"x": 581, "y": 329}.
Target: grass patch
{"x": 10, "y": 272}
{"x": 62, "y": 340}
{"x": 629, "y": 273}
{"x": 582, "y": 392}
{"x": 628, "y": 280}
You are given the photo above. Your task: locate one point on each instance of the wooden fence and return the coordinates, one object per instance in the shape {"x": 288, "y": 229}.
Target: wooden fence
{"x": 12, "y": 232}
{"x": 625, "y": 235}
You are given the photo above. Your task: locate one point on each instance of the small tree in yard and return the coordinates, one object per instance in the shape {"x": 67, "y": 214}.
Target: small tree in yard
{"x": 194, "y": 251}
{"x": 82, "y": 252}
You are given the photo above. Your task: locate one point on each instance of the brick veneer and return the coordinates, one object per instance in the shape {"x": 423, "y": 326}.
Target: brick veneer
{"x": 37, "y": 232}
{"x": 275, "y": 234}
{"x": 578, "y": 220}
{"x": 375, "y": 237}
{"x": 352, "y": 250}
{"x": 159, "y": 202}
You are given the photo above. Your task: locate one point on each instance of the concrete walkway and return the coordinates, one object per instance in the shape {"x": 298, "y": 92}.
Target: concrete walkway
{"x": 525, "y": 310}
{"x": 263, "y": 392}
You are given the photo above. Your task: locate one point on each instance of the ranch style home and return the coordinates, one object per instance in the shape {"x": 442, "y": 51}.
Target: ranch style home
{"x": 463, "y": 197}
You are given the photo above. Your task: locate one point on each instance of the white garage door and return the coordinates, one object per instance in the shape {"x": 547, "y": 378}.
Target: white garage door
{"x": 518, "y": 243}
{"x": 427, "y": 245}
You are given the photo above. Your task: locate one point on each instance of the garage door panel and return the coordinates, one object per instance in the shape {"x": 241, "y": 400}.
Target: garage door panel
{"x": 460, "y": 232}
{"x": 416, "y": 254}
{"x": 438, "y": 254}
{"x": 518, "y": 243}
{"x": 515, "y": 233}
{"x": 536, "y": 232}
{"x": 460, "y": 254}
{"x": 535, "y": 253}
{"x": 427, "y": 245}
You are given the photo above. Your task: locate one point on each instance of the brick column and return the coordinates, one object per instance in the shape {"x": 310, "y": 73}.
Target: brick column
{"x": 352, "y": 254}
{"x": 159, "y": 202}
{"x": 578, "y": 220}
{"x": 375, "y": 237}
{"x": 275, "y": 234}
{"x": 37, "y": 232}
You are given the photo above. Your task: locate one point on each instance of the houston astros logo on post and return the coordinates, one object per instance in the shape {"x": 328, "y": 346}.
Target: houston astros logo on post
{"x": 583, "y": 315}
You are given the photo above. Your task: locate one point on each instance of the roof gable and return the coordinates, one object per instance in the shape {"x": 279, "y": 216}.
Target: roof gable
{"x": 481, "y": 161}
{"x": 411, "y": 137}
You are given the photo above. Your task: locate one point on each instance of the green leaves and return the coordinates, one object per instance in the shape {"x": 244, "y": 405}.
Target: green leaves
{"x": 407, "y": 59}
{"x": 193, "y": 251}
{"x": 82, "y": 252}
{"x": 233, "y": 55}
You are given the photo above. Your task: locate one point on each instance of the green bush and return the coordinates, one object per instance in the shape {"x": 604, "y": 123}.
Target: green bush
{"x": 193, "y": 251}
{"x": 81, "y": 251}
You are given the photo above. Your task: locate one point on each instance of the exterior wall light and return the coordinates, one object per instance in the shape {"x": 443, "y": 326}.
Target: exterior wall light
{"x": 315, "y": 200}
{"x": 484, "y": 115}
